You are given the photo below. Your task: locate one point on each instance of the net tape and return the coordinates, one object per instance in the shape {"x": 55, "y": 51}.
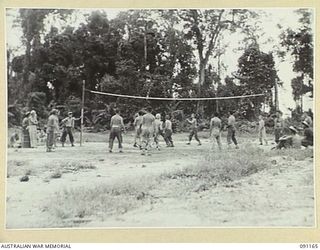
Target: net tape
{"x": 174, "y": 99}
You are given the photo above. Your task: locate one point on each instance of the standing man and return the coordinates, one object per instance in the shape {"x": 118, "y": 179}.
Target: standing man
{"x": 215, "y": 130}
{"x": 56, "y": 132}
{"x": 33, "y": 123}
{"x": 52, "y": 127}
{"x": 168, "y": 132}
{"x": 278, "y": 126}
{"x": 137, "y": 127}
{"x": 148, "y": 129}
{"x": 117, "y": 126}
{"x": 159, "y": 130}
{"x": 193, "y": 129}
{"x": 262, "y": 131}
{"x": 25, "y": 131}
{"x": 68, "y": 127}
{"x": 232, "y": 130}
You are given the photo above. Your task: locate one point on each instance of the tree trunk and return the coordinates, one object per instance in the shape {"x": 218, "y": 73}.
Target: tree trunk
{"x": 276, "y": 96}
{"x": 200, "y": 108}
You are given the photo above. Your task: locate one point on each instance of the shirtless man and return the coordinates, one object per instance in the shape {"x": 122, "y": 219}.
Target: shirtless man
{"x": 232, "y": 130}
{"x": 278, "y": 126}
{"x": 117, "y": 126}
{"x": 159, "y": 130}
{"x": 137, "y": 126}
{"x": 168, "y": 132}
{"x": 193, "y": 129}
{"x": 215, "y": 130}
{"x": 262, "y": 131}
{"x": 147, "y": 130}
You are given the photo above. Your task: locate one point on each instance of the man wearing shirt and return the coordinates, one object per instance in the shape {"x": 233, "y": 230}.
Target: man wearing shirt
{"x": 168, "y": 132}
{"x": 68, "y": 124}
{"x": 147, "y": 130}
{"x": 52, "y": 126}
{"x": 215, "y": 130}
{"x": 231, "y": 130}
{"x": 117, "y": 126}
{"x": 193, "y": 129}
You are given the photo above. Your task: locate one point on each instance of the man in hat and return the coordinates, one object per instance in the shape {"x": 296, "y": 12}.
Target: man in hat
{"x": 278, "y": 126}
{"x": 308, "y": 135}
{"x": 68, "y": 127}
{"x": 52, "y": 127}
{"x": 290, "y": 141}
{"x": 193, "y": 129}
{"x": 117, "y": 126}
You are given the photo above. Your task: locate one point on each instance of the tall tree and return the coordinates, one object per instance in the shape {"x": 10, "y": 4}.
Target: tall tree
{"x": 299, "y": 43}
{"x": 204, "y": 28}
{"x": 257, "y": 74}
{"x": 32, "y": 24}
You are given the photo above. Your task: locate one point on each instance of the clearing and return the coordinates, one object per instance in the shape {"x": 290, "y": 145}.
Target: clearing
{"x": 184, "y": 186}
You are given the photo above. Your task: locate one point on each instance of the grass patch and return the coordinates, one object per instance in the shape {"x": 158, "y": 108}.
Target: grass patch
{"x": 17, "y": 167}
{"x": 74, "y": 166}
{"x": 101, "y": 201}
{"x": 292, "y": 154}
{"x": 218, "y": 167}
{"x": 56, "y": 175}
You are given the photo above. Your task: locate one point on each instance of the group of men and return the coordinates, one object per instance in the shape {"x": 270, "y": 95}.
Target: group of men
{"x": 53, "y": 129}
{"x": 149, "y": 128}
{"x": 293, "y": 140}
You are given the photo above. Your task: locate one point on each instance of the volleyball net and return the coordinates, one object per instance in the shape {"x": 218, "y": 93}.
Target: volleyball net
{"x": 172, "y": 98}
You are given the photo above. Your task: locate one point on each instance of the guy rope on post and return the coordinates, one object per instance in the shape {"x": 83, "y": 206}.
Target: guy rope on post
{"x": 174, "y": 99}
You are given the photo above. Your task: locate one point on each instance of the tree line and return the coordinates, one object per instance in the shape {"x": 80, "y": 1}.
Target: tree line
{"x": 149, "y": 53}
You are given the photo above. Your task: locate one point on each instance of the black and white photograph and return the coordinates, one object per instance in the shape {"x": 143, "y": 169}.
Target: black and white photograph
{"x": 160, "y": 118}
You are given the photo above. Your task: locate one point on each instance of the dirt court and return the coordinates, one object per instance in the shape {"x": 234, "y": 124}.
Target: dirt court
{"x": 184, "y": 186}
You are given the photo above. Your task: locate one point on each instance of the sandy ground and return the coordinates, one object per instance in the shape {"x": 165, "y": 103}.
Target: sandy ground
{"x": 281, "y": 195}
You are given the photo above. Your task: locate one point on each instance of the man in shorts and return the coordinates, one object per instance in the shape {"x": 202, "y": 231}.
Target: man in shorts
{"x": 262, "y": 131}
{"x": 193, "y": 129}
{"x": 147, "y": 130}
{"x": 137, "y": 127}
{"x": 168, "y": 132}
{"x": 278, "y": 126}
{"x": 117, "y": 126}
{"x": 159, "y": 130}
{"x": 232, "y": 130}
{"x": 215, "y": 130}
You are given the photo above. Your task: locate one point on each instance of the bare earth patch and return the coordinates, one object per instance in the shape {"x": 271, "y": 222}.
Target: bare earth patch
{"x": 185, "y": 186}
